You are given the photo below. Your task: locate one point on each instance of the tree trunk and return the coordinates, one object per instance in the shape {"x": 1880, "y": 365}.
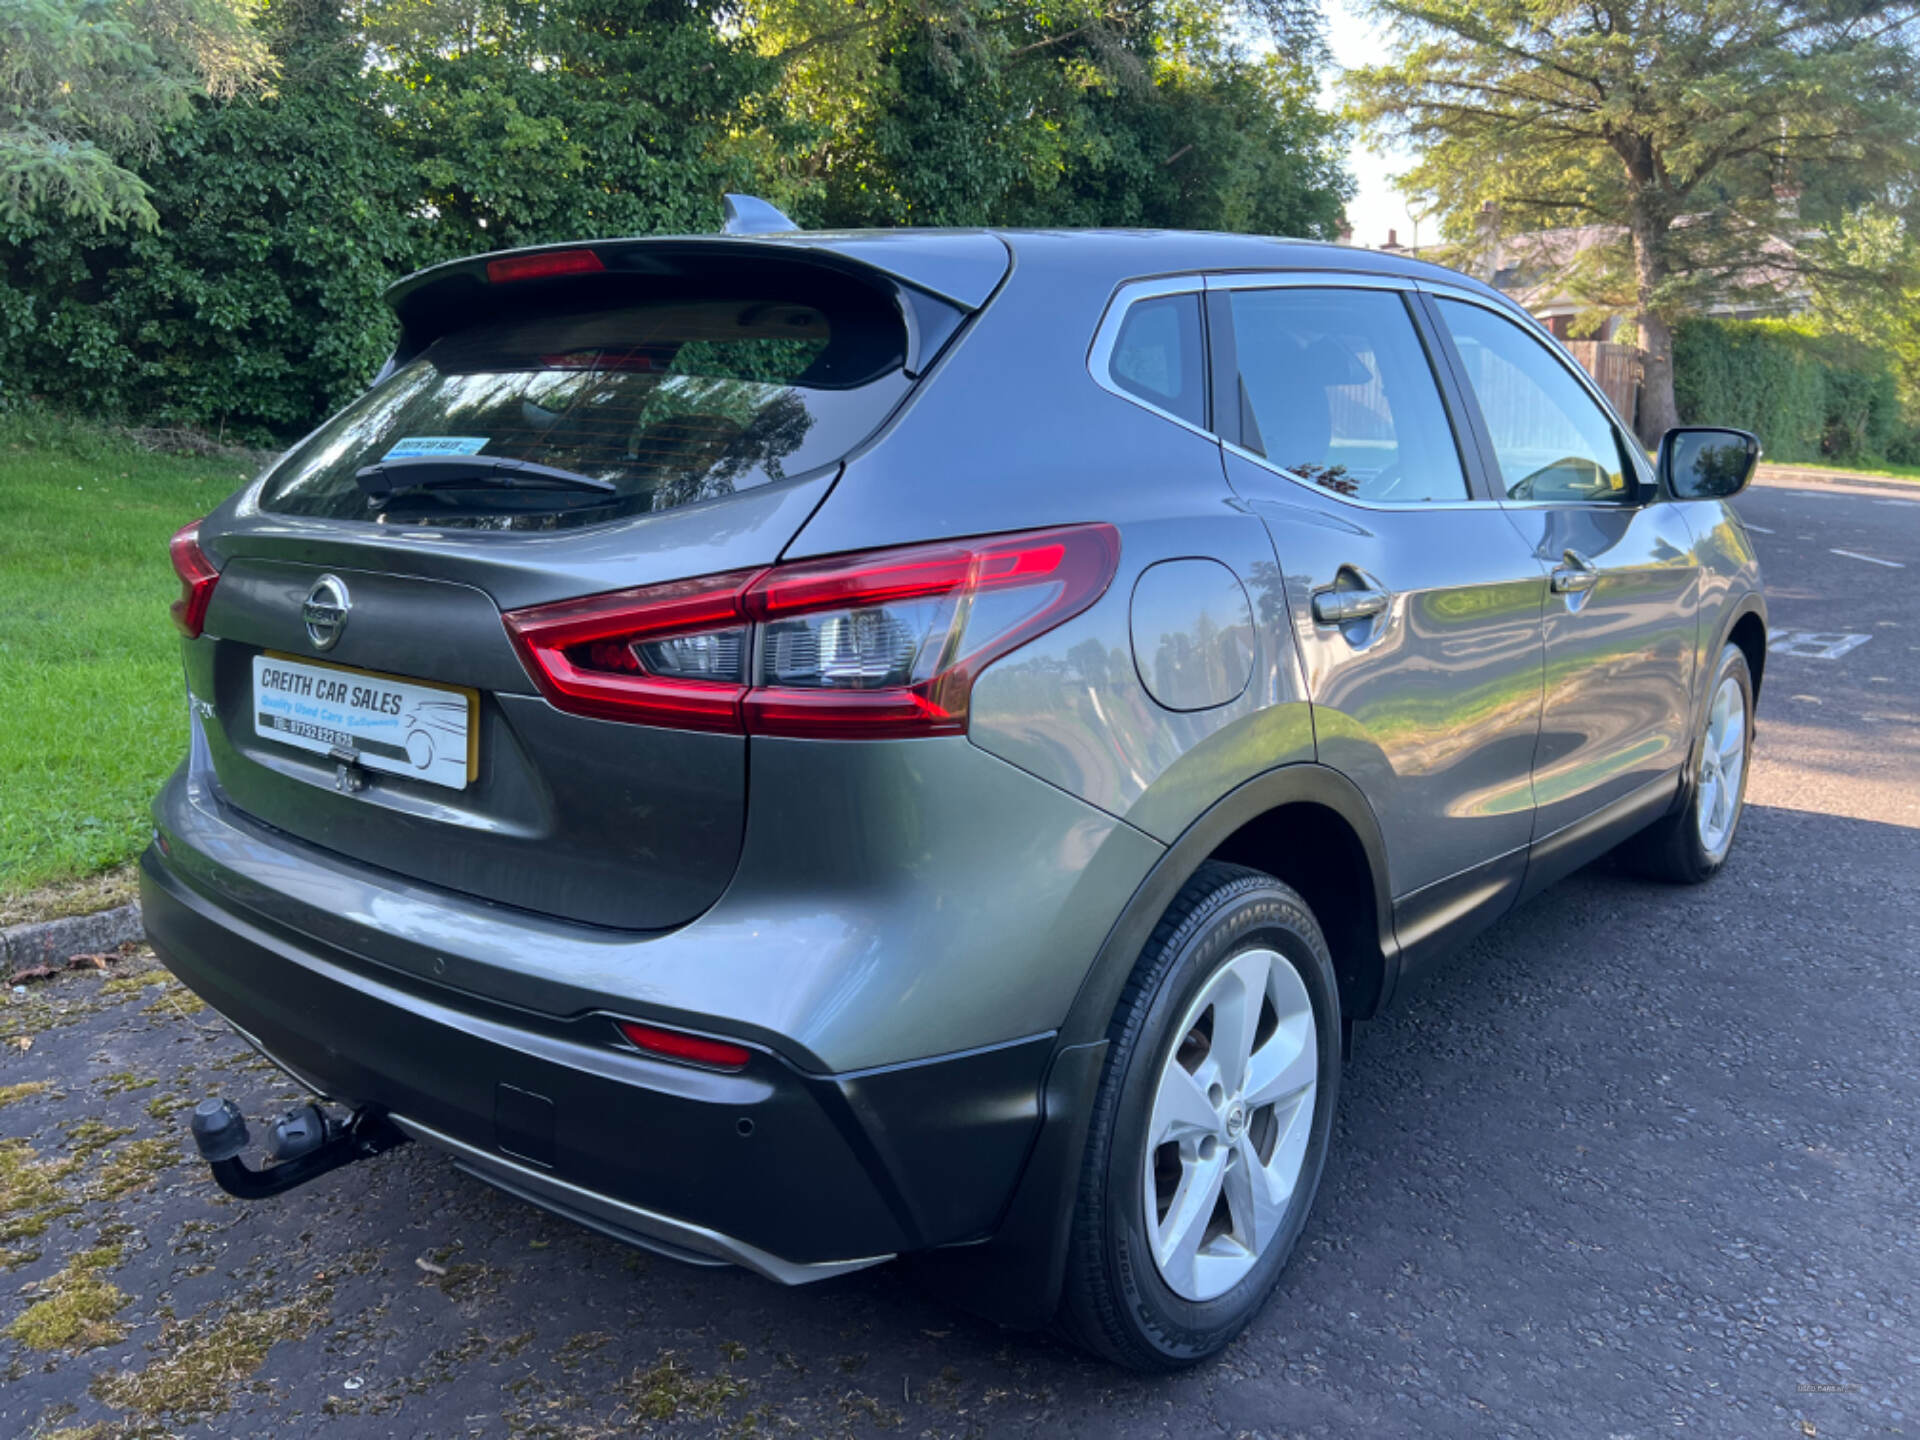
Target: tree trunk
{"x": 1658, "y": 412}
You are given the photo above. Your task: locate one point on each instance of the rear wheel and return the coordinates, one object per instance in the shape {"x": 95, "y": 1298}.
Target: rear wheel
{"x": 1691, "y": 844}
{"x": 1210, "y": 1126}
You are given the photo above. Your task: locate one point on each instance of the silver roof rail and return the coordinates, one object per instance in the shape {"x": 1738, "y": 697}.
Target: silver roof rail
{"x": 750, "y": 215}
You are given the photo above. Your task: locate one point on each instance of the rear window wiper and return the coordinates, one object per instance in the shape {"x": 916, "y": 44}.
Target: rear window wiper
{"x": 425, "y": 474}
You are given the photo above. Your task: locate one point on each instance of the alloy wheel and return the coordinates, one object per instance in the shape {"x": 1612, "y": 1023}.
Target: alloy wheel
{"x": 1723, "y": 760}
{"x": 1232, "y": 1115}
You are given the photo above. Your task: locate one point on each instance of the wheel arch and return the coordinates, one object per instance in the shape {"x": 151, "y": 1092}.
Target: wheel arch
{"x": 1309, "y": 826}
{"x": 1747, "y": 627}
{"x": 1272, "y": 820}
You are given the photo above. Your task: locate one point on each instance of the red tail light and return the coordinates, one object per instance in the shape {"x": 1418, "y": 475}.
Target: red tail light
{"x": 874, "y": 645}
{"x": 678, "y": 1045}
{"x": 197, "y": 579}
{"x": 539, "y": 267}
{"x": 586, "y": 655}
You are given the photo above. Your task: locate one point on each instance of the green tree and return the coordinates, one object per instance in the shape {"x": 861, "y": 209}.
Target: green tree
{"x": 254, "y": 304}
{"x": 402, "y": 132}
{"x": 1690, "y": 124}
{"x": 1869, "y": 292}
{"x": 534, "y": 120}
{"x": 1038, "y": 112}
{"x": 89, "y": 88}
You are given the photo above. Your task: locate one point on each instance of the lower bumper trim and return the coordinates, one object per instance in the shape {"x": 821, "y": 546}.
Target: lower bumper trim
{"x": 677, "y": 1239}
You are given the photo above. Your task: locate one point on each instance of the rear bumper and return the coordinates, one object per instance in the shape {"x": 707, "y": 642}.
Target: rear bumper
{"x": 793, "y": 1174}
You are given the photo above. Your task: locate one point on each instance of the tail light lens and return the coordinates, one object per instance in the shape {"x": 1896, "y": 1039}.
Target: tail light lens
{"x": 197, "y": 579}
{"x": 875, "y": 645}
{"x": 670, "y": 654}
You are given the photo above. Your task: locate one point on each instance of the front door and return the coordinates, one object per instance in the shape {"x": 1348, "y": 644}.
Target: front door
{"x": 1624, "y": 580}
{"x": 1415, "y": 601}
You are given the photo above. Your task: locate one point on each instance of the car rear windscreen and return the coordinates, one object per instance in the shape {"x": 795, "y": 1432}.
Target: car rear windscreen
{"x": 665, "y": 401}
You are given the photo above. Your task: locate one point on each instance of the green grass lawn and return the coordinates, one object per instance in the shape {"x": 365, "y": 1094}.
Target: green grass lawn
{"x": 92, "y": 713}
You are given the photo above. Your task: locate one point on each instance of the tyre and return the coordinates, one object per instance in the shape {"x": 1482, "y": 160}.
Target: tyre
{"x": 1210, "y": 1124}
{"x": 1691, "y": 844}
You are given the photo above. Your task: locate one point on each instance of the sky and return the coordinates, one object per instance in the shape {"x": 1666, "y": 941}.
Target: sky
{"x": 1377, "y": 207}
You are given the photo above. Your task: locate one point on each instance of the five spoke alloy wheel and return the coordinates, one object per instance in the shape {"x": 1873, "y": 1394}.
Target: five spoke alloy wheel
{"x": 1210, "y": 1126}
{"x": 1690, "y": 843}
{"x": 1723, "y": 761}
{"x": 1231, "y": 1118}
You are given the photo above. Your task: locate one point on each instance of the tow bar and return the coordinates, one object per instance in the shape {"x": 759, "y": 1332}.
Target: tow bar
{"x": 303, "y": 1144}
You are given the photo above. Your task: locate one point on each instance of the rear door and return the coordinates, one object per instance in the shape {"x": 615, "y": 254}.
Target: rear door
{"x": 1624, "y": 581}
{"x": 1415, "y": 601}
{"x": 357, "y": 686}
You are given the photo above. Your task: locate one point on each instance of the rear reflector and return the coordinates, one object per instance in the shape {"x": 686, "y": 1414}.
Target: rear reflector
{"x": 882, "y": 644}
{"x": 539, "y": 267}
{"x": 197, "y": 579}
{"x": 678, "y": 1045}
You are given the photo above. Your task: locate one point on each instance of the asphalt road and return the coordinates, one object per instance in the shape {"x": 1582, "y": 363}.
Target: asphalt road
{"x": 1641, "y": 1162}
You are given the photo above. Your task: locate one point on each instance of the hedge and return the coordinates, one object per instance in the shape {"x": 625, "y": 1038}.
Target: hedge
{"x": 1808, "y": 397}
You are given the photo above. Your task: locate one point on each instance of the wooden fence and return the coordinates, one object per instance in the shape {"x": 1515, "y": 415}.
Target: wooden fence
{"x": 1615, "y": 368}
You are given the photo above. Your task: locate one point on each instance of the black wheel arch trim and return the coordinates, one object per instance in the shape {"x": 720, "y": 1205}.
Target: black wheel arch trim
{"x": 1306, "y": 782}
{"x": 1751, "y": 603}
{"x": 1755, "y": 604}
{"x": 1015, "y": 1277}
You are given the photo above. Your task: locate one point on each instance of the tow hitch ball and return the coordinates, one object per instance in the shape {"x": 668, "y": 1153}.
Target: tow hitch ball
{"x": 303, "y": 1144}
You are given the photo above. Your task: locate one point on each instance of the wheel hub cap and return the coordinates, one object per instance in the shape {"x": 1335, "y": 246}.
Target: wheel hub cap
{"x": 1232, "y": 1115}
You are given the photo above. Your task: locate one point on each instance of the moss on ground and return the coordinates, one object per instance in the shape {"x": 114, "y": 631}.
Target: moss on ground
{"x": 165, "y": 1107}
{"x": 667, "y": 1390}
{"x": 88, "y": 1137}
{"x": 176, "y": 999}
{"x": 26, "y": 1089}
{"x": 132, "y": 1167}
{"x": 200, "y": 1362}
{"x": 134, "y": 984}
{"x": 30, "y": 1193}
{"x": 77, "y": 1312}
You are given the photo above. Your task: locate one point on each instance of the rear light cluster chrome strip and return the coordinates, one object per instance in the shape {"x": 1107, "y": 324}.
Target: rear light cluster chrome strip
{"x": 875, "y": 645}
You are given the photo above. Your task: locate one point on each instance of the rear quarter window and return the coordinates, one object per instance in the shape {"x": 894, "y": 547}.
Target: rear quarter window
{"x": 1157, "y": 356}
{"x": 671, "y": 402}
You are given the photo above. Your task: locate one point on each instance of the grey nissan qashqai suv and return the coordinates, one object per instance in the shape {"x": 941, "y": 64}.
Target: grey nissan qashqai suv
{"x": 796, "y": 750}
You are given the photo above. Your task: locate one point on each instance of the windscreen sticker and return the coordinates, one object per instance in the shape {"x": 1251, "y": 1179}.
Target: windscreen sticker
{"x": 409, "y": 446}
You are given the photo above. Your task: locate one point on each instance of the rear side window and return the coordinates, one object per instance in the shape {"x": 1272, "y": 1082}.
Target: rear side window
{"x": 1157, "y": 356}
{"x": 1552, "y": 440}
{"x": 666, "y": 402}
{"x": 1335, "y": 387}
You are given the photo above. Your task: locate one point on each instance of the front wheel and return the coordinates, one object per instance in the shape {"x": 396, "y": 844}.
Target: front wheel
{"x": 1691, "y": 844}
{"x": 1210, "y": 1125}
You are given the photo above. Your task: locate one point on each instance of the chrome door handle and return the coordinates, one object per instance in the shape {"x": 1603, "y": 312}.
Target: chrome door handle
{"x": 1576, "y": 576}
{"x": 1338, "y": 607}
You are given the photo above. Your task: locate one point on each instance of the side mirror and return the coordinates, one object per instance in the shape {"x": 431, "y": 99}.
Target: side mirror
{"x": 1704, "y": 462}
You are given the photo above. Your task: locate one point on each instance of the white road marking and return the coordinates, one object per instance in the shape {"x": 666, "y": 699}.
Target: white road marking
{"x": 1913, "y": 503}
{"x": 1815, "y": 644}
{"x": 1760, "y": 528}
{"x": 1870, "y": 559}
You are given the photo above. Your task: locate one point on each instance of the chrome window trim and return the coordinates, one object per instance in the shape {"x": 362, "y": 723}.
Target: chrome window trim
{"x": 1342, "y": 280}
{"x": 1403, "y": 506}
{"x": 1306, "y": 279}
{"x": 1100, "y": 352}
{"x": 1623, "y": 432}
